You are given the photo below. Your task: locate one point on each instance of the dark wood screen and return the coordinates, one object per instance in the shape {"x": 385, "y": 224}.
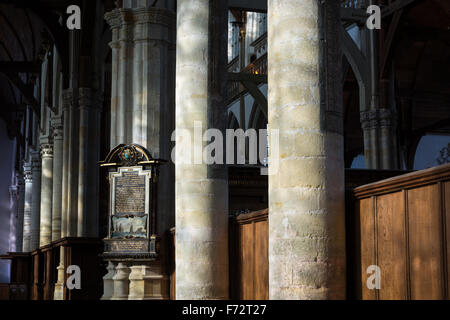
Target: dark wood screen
{"x": 404, "y": 228}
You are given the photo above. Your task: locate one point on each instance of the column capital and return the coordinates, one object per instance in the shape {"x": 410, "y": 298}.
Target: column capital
{"x": 13, "y": 191}
{"x": 46, "y": 150}
{"x": 378, "y": 118}
{"x": 68, "y": 99}
{"x": 127, "y": 16}
{"x": 27, "y": 173}
{"x": 155, "y": 16}
{"x": 57, "y": 127}
{"x": 20, "y": 180}
{"x": 35, "y": 160}
{"x": 84, "y": 98}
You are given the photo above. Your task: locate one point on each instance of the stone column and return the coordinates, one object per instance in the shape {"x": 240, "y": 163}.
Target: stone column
{"x": 46, "y": 192}
{"x": 65, "y": 203}
{"x": 26, "y": 245}
{"x": 306, "y": 193}
{"x": 20, "y": 212}
{"x": 36, "y": 200}
{"x": 84, "y": 102}
{"x": 142, "y": 105}
{"x": 57, "y": 126}
{"x": 13, "y": 217}
{"x": 201, "y": 207}
{"x": 388, "y": 136}
{"x": 380, "y": 145}
{"x": 121, "y": 282}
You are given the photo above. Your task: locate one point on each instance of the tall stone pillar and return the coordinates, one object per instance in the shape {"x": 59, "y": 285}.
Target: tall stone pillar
{"x": 36, "y": 200}
{"x": 65, "y": 199}
{"x": 57, "y": 126}
{"x": 13, "y": 217}
{"x": 201, "y": 190}
{"x": 306, "y": 193}
{"x": 380, "y": 145}
{"x": 65, "y": 204}
{"x": 20, "y": 212}
{"x": 26, "y": 245}
{"x": 45, "y": 234}
{"x": 84, "y": 103}
{"x": 142, "y": 103}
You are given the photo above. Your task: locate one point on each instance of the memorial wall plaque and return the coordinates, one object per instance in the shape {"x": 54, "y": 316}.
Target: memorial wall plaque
{"x": 132, "y": 182}
{"x": 130, "y": 202}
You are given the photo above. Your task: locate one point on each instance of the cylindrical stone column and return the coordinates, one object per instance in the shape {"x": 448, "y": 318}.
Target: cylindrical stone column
{"x": 67, "y": 101}
{"x": 13, "y": 198}
{"x": 57, "y": 177}
{"x": 20, "y": 212}
{"x": 306, "y": 190}
{"x": 201, "y": 207}
{"x": 26, "y": 245}
{"x": 45, "y": 234}
{"x": 36, "y": 200}
{"x": 84, "y": 102}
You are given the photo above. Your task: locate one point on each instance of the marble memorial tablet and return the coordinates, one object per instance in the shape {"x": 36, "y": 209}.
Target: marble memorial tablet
{"x": 130, "y": 202}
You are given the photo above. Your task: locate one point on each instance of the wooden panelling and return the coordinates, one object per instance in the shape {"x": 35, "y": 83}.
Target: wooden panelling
{"x": 425, "y": 243}
{"x": 391, "y": 246}
{"x": 250, "y": 264}
{"x": 368, "y": 256}
{"x": 261, "y": 261}
{"x": 446, "y": 209}
{"x": 246, "y": 258}
{"x": 4, "y": 291}
{"x": 404, "y": 225}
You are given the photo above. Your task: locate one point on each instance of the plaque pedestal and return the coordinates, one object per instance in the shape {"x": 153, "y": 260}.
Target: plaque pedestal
{"x": 147, "y": 283}
{"x": 108, "y": 282}
{"x": 121, "y": 282}
{"x": 59, "y": 285}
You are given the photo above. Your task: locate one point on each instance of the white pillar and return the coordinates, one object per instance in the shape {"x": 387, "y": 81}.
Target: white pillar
{"x": 20, "y": 212}
{"x": 142, "y": 98}
{"x": 306, "y": 193}
{"x": 45, "y": 234}
{"x": 201, "y": 208}
{"x": 57, "y": 176}
{"x": 67, "y": 105}
{"x": 84, "y": 96}
{"x": 36, "y": 200}
{"x": 26, "y": 245}
{"x": 13, "y": 217}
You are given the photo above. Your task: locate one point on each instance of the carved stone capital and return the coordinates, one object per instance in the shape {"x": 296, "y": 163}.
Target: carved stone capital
{"x": 125, "y": 16}
{"x": 13, "y": 191}
{"x": 57, "y": 127}
{"x": 67, "y": 96}
{"x": 155, "y": 16}
{"x": 35, "y": 160}
{"x": 379, "y": 118}
{"x": 84, "y": 97}
{"x": 47, "y": 150}
{"x": 27, "y": 173}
